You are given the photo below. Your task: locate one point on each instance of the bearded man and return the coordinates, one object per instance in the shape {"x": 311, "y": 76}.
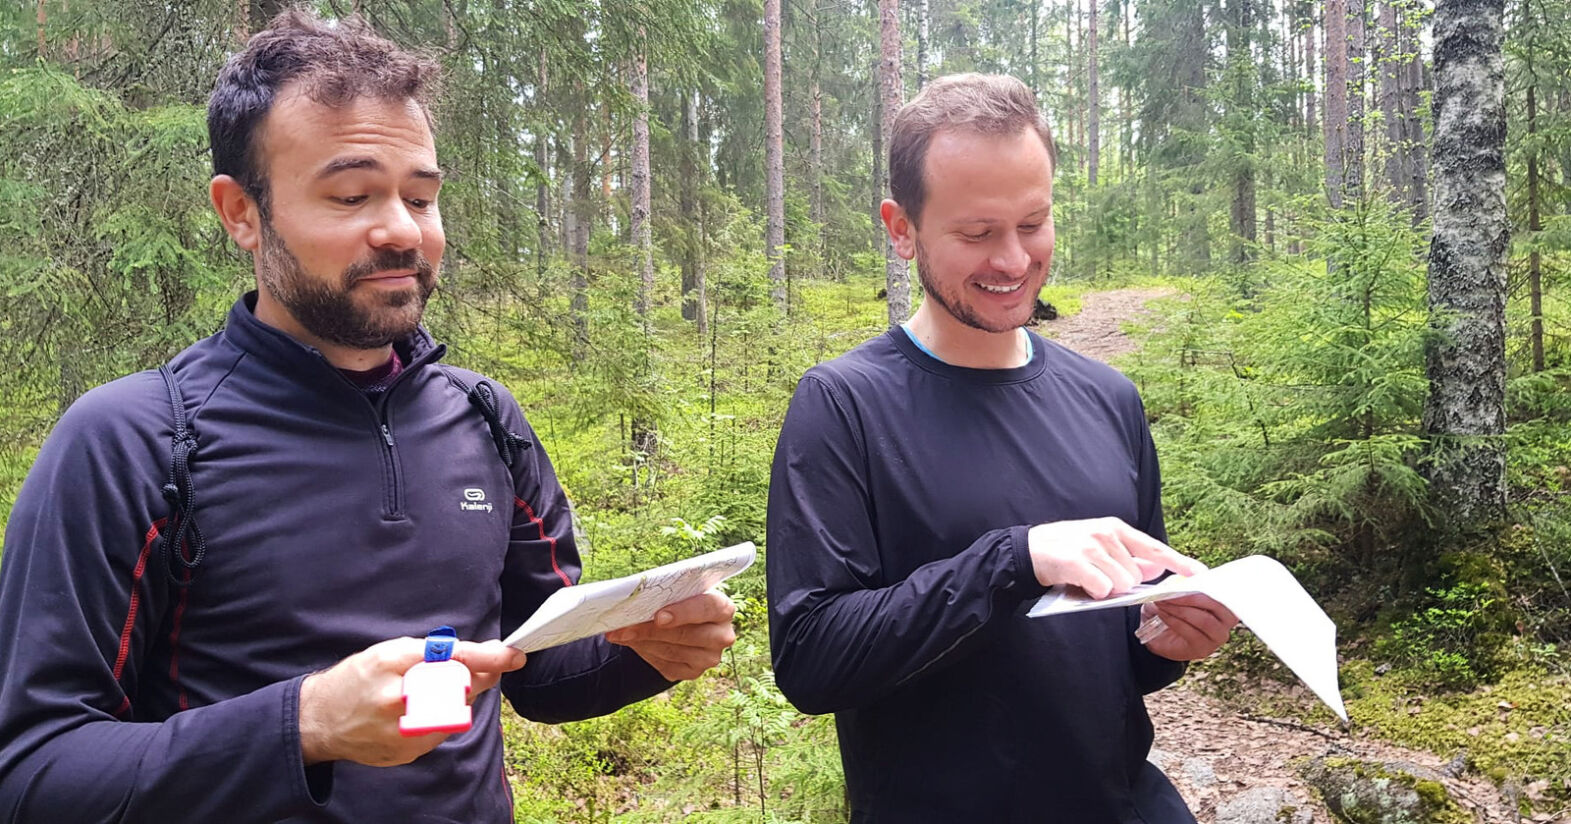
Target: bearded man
{"x": 931, "y": 483}
{"x": 339, "y": 491}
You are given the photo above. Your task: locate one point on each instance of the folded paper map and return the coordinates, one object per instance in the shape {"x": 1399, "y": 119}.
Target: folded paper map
{"x": 1264, "y": 596}
{"x": 580, "y": 611}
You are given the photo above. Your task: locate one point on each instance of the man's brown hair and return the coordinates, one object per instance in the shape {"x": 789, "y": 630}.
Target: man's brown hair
{"x": 334, "y": 63}
{"x": 984, "y": 104}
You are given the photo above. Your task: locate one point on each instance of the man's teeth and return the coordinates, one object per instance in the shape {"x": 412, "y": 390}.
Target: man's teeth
{"x": 1002, "y": 290}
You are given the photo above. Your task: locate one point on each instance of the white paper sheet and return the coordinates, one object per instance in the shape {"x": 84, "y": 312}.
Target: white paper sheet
{"x": 1264, "y": 596}
{"x": 580, "y": 611}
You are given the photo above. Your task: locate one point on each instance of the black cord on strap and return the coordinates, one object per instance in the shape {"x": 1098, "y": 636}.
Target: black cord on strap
{"x": 180, "y": 529}
{"x": 508, "y": 444}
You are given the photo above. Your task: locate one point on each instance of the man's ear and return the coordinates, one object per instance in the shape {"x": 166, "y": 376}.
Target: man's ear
{"x": 237, "y": 211}
{"x": 902, "y": 231}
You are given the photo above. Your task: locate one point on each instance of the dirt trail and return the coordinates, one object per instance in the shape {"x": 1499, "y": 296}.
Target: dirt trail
{"x": 1231, "y": 767}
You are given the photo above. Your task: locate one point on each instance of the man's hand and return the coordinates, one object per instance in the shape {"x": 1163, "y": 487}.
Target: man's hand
{"x": 684, "y": 639}
{"x": 1103, "y": 556}
{"x": 350, "y": 712}
{"x": 1196, "y": 627}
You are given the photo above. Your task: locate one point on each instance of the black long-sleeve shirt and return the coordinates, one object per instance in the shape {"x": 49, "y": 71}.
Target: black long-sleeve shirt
{"x": 333, "y": 520}
{"x": 899, "y": 575}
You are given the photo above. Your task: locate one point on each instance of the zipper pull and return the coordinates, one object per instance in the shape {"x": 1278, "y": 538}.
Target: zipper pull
{"x": 387, "y": 435}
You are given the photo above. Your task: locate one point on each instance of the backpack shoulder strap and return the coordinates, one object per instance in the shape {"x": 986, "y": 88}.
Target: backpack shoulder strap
{"x": 183, "y": 546}
{"x": 483, "y": 396}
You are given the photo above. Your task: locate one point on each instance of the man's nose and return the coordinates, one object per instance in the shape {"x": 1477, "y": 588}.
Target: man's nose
{"x": 396, "y": 228}
{"x": 1011, "y": 256}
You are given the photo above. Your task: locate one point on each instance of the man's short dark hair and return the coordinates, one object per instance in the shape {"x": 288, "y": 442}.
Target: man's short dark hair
{"x": 984, "y": 104}
{"x": 334, "y": 63}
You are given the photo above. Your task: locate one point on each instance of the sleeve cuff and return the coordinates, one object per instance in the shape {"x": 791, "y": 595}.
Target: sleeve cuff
{"x": 1024, "y": 582}
{"x": 315, "y": 782}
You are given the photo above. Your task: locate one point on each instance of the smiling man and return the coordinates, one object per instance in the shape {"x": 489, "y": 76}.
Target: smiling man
{"x": 339, "y": 490}
{"x": 931, "y": 483}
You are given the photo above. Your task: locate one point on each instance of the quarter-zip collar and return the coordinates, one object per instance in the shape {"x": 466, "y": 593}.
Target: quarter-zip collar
{"x": 307, "y": 363}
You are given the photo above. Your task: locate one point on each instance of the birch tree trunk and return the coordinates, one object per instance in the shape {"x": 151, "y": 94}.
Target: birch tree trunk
{"x": 896, "y": 283}
{"x": 774, "y": 158}
{"x": 1464, "y": 415}
{"x": 638, "y": 210}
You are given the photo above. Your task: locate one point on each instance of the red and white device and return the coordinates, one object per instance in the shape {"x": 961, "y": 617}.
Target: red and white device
{"x": 436, "y": 690}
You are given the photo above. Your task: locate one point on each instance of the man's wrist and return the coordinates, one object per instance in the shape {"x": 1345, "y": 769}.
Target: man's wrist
{"x": 314, "y": 748}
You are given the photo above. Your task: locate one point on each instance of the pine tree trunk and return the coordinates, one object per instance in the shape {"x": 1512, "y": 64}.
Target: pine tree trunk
{"x": 1464, "y": 414}
{"x": 774, "y": 158}
{"x": 1093, "y": 102}
{"x": 1390, "y": 62}
{"x": 1309, "y": 67}
{"x": 1336, "y": 100}
{"x": 880, "y": 185}
{"x": 815, "y": 146}
{"x": 639, "y": 209}
{"x": 1415, "y": 146}
{"x": 1357, "y": 74}
{"x": 43, "y": 20}
{"x": 896, "y": 283}
{"x": 543, "y": 187}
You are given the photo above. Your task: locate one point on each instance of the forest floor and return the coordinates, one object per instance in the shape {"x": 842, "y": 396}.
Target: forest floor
{"x": 1231, "y": 766}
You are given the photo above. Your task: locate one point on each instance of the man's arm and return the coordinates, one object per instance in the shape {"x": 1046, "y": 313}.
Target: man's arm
{"x": 77, "y": 546}
{"x": 583, "y": 679}
{"x": 842, "y": 637}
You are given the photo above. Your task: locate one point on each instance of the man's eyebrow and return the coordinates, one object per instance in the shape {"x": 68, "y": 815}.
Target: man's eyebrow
{"x": 346, "y": 164}
{"x": 989, "y": 221}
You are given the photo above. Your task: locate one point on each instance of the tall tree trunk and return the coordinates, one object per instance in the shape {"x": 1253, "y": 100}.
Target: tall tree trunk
{"x": 583, "y": 211}
{"x": 1464, "y": 415}
{"x": 1390, "y": 63}
{"x": 923, "y": 20}
{"x": 43, "y": 20}
{"x": 1357, "y": 74}
{"x": 1309, "y": 66}
{"x": 1414, "y": 143}
{"x": 639, "y": 209}
{"x": 1093, "y": 101}
{"x": 687, "y": 202}
{"x": 1336, "y": 100}
{"x": 896, "y": 282}
{"x": 1241, "y": 215}
{"x": 543, "y": 185}
{"x": 880, "y": 185}
{"x": 774, "y": 158}
{"x": 1535, "y": 264}
{"x": 815, "y": 145}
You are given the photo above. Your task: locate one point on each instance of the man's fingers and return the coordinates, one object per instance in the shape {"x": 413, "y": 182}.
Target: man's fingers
{"x": 1196, "y": 621}
{"x": 701, "y": 657}
{"x": 693, "y": 635}
{"x": 709, "y": 608}
{"x": 491, "y": 656}
{"x": 1164, "y": 556}
{"x": 1115, "y": 561}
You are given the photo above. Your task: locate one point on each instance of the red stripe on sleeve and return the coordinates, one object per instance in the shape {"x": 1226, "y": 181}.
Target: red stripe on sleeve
{"x": 520, "y": 503}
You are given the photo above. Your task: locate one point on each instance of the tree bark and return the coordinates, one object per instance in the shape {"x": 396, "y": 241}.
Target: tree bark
{"x": 1093, "y": 102}
{"x": 923, "y": 20}
{"x": 1336, "y": 100}
{"x": 543, "y": 186}
{"x": 774, "y": 158}
{"x": 1535, "y": 264}
{"x": 1392, "y": 148}
{"x": 639, "y": 209}
{"x": 1464, "y": 414}
{"x": 692, "y": 298}
{"x": 583, "y": 210}
{"x": 1413, "y": 141}
{"x": 896, "y": 283}
{"x": 1309, "y": 66}
{"x": 1357, "y": 74}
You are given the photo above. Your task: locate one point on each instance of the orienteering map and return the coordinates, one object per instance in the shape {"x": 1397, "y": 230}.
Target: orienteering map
{"x": 580, "y": 611}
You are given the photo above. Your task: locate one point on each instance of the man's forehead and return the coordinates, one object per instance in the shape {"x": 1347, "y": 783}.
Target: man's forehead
{"x": 969, "y": 174}
{"x": 316, "y": 135}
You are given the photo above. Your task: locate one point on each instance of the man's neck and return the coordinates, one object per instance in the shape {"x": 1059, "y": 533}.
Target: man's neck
{"x": 340, "y": 356}
{"x": 957, "y": 344}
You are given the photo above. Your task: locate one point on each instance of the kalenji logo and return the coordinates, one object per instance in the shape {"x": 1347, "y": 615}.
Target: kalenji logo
{"x": 474, "y": 501}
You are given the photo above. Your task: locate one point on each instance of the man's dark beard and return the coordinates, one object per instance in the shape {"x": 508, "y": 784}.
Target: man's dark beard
{"x": 332, "y": 314}
{"x": 955, "y": 308}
